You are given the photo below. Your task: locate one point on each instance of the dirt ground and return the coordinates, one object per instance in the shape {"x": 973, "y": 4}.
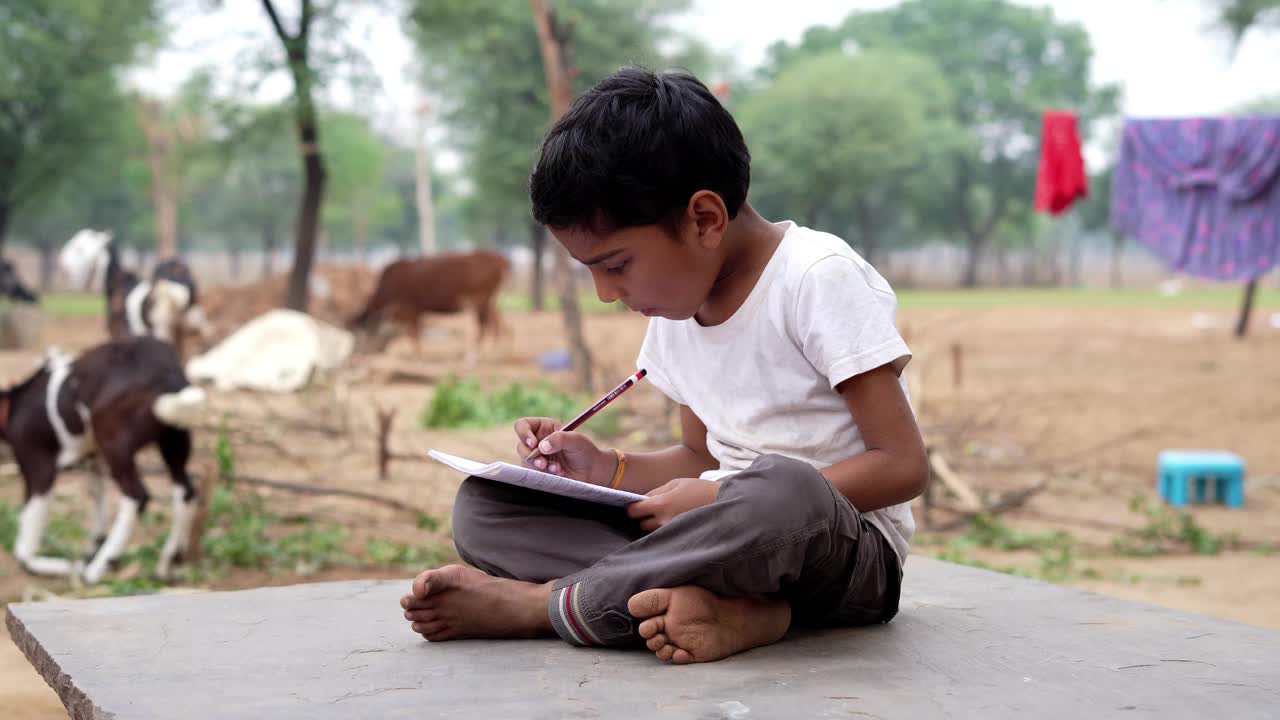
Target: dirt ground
{"x": 1080, "y": 400}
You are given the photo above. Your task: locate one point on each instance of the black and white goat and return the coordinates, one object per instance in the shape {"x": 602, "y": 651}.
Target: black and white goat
{"x": 164, "y": 307}
{"x": 112, "y": 401}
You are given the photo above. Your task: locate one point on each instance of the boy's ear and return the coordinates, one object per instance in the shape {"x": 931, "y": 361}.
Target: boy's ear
{"x": 708, "y": 217}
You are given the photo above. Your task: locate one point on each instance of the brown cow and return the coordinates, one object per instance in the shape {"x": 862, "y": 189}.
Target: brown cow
{"x": 441, "y": 284}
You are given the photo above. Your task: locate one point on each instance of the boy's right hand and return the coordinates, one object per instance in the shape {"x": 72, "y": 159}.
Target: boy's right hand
{"x": 570, "y": 454}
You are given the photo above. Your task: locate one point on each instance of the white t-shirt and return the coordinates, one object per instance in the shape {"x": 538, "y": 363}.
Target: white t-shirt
{"x": 764, "y": 380}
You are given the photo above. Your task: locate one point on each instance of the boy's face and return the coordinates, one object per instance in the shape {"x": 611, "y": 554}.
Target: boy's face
{"x": 650, "y": 270}
{"x": 646, "y": 268}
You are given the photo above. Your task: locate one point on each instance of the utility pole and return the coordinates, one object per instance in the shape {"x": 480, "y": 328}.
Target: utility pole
{"x": 426, "y": 209}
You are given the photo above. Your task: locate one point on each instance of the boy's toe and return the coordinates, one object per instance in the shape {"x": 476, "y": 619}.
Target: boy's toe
{"x": 429, "y": 628}
{"x": 649, "y": 603}
{"x": 420, "y": 584}
{"x": 681, "y": 657}
{"x": 656, "y": 642}
{"x": 420, "y": 604}
{"x": 421, "y": 616}
{"x": 652, "y": 627}
{"x": 666, "y": 651}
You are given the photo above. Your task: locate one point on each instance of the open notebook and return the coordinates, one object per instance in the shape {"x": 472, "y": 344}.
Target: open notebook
{"x": 536, "y": 480}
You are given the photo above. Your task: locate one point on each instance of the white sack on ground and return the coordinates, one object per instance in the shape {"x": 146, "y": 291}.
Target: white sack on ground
{"x": 275, "y": 352}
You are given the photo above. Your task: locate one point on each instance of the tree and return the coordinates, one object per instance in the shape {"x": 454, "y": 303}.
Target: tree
{"x": 298, "y": 59}
{"x": 1005, "y": 63}
{"x": 1240, "y": 16}
{"x": 557, "y": 60}
{"x": 107, "y": 188}
{"x": 836, "y": 140}
{"x": 175, "y": 131}
{"x": 485, "y": 62}
{"x": 59, "y": 61}
{"x": 358, "y": 199}
{"x": 247, "y": 186}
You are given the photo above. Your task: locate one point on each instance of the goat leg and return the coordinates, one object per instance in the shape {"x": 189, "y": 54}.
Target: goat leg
{"x": 98, "y": 498}
{"x": 31, "y": 524}
{"x": 117, "y": 539}
{"x": 184, "y": 507}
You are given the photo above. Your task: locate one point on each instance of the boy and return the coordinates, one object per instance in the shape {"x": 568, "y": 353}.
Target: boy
{"x": 785, "y": 502}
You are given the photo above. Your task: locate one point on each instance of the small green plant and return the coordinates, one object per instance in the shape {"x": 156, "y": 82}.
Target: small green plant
{"x": 384, "y": 552}
{"x": 8, "y": 526}
{"x": 225, "y": 457}
{"x": 459, "y": 404}
{"x": 64, "y": 535}
{"x": 462, "y": 404}
{"x": 1167, "y": 530}
{"x": 989, "y": 531}
{"x": 428, "y": 522}
{"x": 1056, "y": 549}
{"x": 315, "y": 547}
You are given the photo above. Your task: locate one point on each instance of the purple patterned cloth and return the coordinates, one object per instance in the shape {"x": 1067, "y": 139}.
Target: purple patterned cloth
{"x": 1202, "y": 193}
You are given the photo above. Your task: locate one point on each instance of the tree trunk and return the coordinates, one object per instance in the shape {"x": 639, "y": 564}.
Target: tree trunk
{"x": 308, "y": 216}
{"x": 1077, "y": 259}
{"x": 977, "y": 244}
{"x": 4, "y": 224}
{"x": 1246, "y": 309}
{"x": 1002, "y": 264}
{"x": 870, "y": 239}
{"x": 422, "y": 172}
{"x": 582, "y": 359}
{"x": 164, "y": 181}
{"x": 304, "y": 111}
{"x": 48, "y": 266}
{"x": 233, "y": 257}
{"x": 268, "y": 248}
{"x": 1117, "y": 253}
{"x": 539, "y": 242}
{"x": 557, "y": 61}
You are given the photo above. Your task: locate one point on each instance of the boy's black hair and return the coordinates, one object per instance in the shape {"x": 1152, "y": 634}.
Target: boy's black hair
{"x": 633, "y": 149}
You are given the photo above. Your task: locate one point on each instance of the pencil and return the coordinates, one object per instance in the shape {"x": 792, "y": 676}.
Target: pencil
{"x": 600, "y": 404}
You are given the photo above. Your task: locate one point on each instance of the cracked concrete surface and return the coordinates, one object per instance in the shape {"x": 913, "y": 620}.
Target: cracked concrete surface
{"x": 967, "y": 643}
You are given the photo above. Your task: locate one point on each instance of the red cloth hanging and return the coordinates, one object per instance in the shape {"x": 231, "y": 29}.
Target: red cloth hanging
{"x": 1062, "y": 178}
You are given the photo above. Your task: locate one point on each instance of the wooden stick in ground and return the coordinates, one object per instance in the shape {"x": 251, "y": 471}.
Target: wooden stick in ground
{"x": 340, "y": 492}
{"x": 1246, "y": 307}
{"x": 385, "y": 418}
{"x": 957, "y": 368}
{"x": 969, "y": 500}
{"x": 204, "y": 489}
{"x": 1008, "y": 502}
{"x": 310, "y": 490}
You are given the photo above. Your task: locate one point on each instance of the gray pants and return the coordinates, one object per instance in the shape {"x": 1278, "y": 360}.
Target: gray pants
{"x": 776, "y": 530}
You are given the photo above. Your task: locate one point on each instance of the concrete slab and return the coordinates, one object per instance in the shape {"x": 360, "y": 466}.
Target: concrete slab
{"x": 968, "y": 643}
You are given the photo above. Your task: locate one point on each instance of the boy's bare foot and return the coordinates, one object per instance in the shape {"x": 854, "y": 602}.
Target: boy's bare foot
{"x": 456, "y": 602}
{"x": 688, "y": 624}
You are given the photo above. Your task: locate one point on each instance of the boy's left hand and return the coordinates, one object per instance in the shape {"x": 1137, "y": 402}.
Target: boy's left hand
{"x": 668, "y": 501}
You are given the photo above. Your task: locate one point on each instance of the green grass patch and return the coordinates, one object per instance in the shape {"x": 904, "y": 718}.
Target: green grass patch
{"x": 462, "y": 404}
{"x": 73, "y": 305}
{"x": 1221, "y": 297}
{"x": 588, "y": 302}
{"x": 1167, "y": 530}
{"x": 1056, "y": 550}
{"x": 389, "y": 553}
{"x": 64, "y": 534}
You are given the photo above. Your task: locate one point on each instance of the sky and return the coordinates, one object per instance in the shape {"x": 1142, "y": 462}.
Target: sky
{"x": 1166, "y": 54}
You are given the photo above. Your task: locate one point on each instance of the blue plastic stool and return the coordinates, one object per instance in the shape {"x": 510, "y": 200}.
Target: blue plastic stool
{"x": 1181, "y": 468}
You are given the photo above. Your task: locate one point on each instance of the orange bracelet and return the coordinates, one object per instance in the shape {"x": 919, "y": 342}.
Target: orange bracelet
{"x": 622, "y": 467}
